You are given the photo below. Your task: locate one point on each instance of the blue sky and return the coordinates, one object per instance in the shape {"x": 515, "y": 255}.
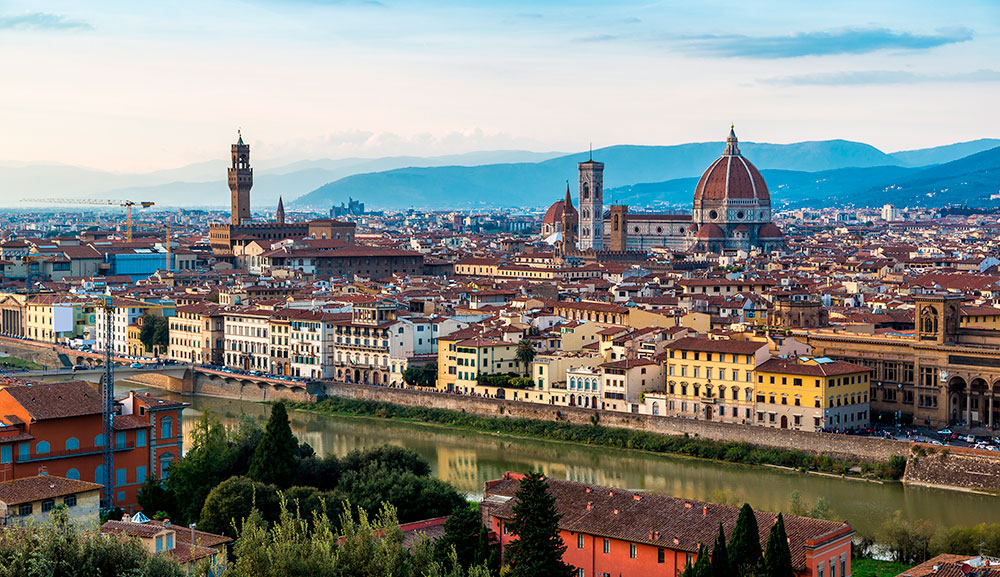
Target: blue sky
{"x": 141, "y": 85}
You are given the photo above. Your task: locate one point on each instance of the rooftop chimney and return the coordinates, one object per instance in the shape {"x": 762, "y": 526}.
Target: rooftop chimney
{"x": 704, "y": 511}
{"x": 590, "y": 505}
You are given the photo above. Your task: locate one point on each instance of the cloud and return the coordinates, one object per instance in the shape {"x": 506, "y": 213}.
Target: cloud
{"x": 844, "y": 41}
{"x": 597, "y": 38}
{"x": 863, "y": 77}
{"x": 41, "y": 21}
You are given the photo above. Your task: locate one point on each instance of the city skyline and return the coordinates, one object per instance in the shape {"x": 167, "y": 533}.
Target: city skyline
{"x": 159, "y": 87}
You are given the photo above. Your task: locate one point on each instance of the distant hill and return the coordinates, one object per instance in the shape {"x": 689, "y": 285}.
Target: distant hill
{"x": 532, "y": 184}
{"x": 970, "y": 180}
{"x": 204, "y": 183}
{"x": 654, "y": 175}
{"x": 942, "y": 154}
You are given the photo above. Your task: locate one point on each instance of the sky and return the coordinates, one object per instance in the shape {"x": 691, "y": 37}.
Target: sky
{"x": 140, "y": 86}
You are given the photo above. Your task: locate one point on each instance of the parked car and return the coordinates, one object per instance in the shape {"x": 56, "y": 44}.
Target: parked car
{"x": 136, "y": 365}
{"x": 944, "y": 432}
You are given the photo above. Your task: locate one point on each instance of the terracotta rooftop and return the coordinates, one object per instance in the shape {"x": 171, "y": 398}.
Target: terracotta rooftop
{"x": 657, "y": 520}
{"x": 30, "y": 489}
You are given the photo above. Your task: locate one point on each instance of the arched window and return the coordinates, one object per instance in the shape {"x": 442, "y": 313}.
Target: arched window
{"x": 72, "y": 444}
{"x": 99, "y": 474}
{"x": 73, "y": 474}
{"x": 166, "y": 459}
{"x": 585, "y": 190}
{"x": 99, "y": 440}
{"x": 42, "y": 447}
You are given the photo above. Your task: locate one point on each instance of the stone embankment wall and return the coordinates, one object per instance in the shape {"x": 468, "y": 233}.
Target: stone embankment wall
{"x": 843, "y": 446}
{"x": 953, "y": 467}
{"x": 41, "y": 353}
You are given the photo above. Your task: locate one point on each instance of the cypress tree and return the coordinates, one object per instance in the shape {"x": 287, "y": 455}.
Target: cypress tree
{"x": 538, "y": 549}
{"x": 744, "y": 543}
{"x": 274, "y": 460}
{"x": 778, "y": 556}
{"x": 721, "y": 566}
{"x": 702, "y": 565}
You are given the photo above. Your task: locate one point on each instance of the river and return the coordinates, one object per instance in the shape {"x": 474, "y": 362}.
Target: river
{"x": 467, "y": 459}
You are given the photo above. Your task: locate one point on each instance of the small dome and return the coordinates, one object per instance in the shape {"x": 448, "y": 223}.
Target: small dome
{"x": 731, "y": 176}
{"x": 710, "y": 231}
{"x": 769, "y": 230}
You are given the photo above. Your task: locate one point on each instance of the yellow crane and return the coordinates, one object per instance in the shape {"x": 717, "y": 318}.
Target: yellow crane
{"x": 128, "y": 204}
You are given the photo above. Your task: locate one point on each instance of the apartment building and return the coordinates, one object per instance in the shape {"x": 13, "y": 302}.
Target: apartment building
{"x": 125, "y": 313}
{"x": 246, "y": 339}
{"x": 812, "y": 394}
{"x": 197, "y": 334}
{"x": 58, "y": 429}
{"x": 711, "y": 379}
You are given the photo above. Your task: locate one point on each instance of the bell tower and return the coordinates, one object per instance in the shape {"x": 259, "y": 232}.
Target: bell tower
{"x": 591, "y": 234}
{"x": 240, "y": 182}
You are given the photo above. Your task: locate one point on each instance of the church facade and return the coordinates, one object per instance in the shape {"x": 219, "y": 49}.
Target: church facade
{"x": 732, "y": 211}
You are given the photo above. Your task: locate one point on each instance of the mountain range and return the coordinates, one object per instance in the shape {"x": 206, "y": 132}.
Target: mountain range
{"x": 804, "y": 173}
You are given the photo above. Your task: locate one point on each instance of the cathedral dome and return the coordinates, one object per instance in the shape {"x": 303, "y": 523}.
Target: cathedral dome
{"x": 731, "y": 177}
{"x": 554, "y": 215}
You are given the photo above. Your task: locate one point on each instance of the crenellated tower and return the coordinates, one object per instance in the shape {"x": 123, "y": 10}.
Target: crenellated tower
{"x": 240, "y": 181}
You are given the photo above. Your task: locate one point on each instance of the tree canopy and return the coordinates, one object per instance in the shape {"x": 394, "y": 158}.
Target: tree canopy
{"x": 155, "y": 332}
{"x": 538, "y": 549}
{"x": 274, "y": 458}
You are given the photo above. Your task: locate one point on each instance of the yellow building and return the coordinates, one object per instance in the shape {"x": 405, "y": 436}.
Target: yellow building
{"x": 196, "y": 334}
{"x": 481, "y": 356}
{"x": 712, "y": 379}
{"x": 44, "y": 314}
{"x": 980, "y": 318}
{"x": 812, "y": 394}
{"x": 575, "y": 335}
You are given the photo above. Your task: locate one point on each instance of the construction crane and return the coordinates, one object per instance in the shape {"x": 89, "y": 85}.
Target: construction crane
{"x": 128, "y": 204}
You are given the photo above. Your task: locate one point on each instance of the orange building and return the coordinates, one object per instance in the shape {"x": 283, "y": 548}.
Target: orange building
{"x": 57, "y": 429}
{"x": 610, "y": 531}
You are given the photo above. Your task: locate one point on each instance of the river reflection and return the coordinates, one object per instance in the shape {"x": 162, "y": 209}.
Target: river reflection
{"x": 468, "y": 459}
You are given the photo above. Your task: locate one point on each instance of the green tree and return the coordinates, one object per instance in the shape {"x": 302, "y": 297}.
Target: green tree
{"x": 702, "y": 565}
{"x": 155, "y": 332}
{"x": 465, "y": 536}
{"x": 906, "y": 541}
{"x": 414, "y": 497}
{"x": 60, "y": 548}
{"x": 778, "y": 557}
{"x": 821, "y": 510}
{"x": 421, "y": 376}
{"x": 525, "y": 354}
{"x": 274, "y": 459}
{"x": 232, "y": 501}
{"x": 744, "y": 543}
{"x": 153, "y": 496}
{"x": 721, "y": 566}
{"x": 538, "y": 549}
{"x": 207, "y": 463}
{"x": 797, "y": 507}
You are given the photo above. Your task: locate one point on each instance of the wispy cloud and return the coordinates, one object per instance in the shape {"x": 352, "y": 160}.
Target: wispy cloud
{"x": 597, "y": 38}
{"x": 41, "y": 21}
{"x": 862, "y": 77}
{"x": 843, "y": 41}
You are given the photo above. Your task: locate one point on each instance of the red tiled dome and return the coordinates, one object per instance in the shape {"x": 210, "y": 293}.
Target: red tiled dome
{"x": 554, "y": 214}
{"x": 769, "y": 230}
{"x": 710, "y": 231}
{"x": 731, "y": 176}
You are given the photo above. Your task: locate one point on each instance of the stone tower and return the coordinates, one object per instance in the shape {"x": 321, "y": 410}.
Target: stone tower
{"x": 570, "y": 222}
{"x": 240, "y": 182}
{"x": 591, "y": 205}
{"x": 618, "y": 235}
{"x": 279, "y": 215}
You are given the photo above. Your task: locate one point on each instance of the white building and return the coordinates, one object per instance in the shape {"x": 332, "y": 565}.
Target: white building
{"x": 246, "y": 339}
